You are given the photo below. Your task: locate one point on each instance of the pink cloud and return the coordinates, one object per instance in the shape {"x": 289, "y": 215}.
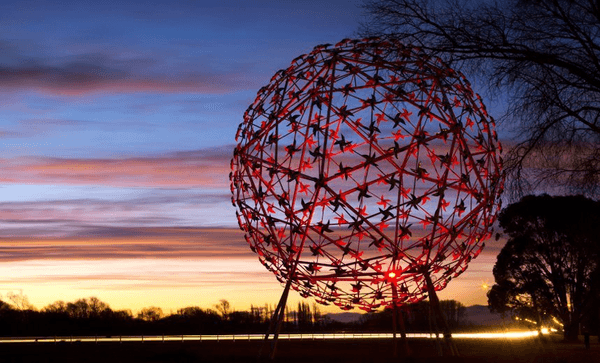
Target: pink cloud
{"x": 207, "y": 168}
{"x": 157, "y": 242}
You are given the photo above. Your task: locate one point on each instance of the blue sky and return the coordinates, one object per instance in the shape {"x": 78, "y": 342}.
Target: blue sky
{"x": 141, "y": 81}
{"x": 117, "y": 125}
{"x": 135, "y": 78}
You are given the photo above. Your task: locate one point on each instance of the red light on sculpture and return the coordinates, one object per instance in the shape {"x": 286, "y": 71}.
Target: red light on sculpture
{"x": 391, "y": 277}
{"x": 362, "y": 163}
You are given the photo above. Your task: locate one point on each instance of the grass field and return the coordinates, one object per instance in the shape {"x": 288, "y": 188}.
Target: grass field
{"x": 552, "y": 350}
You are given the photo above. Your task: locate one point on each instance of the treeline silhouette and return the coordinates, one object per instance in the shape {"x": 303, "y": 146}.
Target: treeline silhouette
{"x": 91, "y": 316}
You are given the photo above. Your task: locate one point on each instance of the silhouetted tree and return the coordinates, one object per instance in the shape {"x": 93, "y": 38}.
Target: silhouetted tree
{"x": 591, "y": 311}
{"x": 257, "y": 313}
{"x": 304, "y": 318}
{"x": 194, "y": 320}
{"x": 416, "y": 316}
{"x": 122, "y": 314}
{"x": 243, "y": 321}
{"x": 543, "y": 55}
{"x": 316, "y": 314}
{"x": 151, "y": 313}
{"x": 4, "y": 306}
{"x": 453, "y": 311}
{"x": 224, "y": 308}
{"x": 549, "y": 262}
{"x": 97, "y": 307}
{"x": 57, "y": 307}
{"x": 19, "y": 301}
{"x": 191, "y": 312}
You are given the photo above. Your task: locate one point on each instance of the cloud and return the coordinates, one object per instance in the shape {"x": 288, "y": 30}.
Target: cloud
{"x": 118, "y": 73}
{"x": 8, "y": 134}
{"x": 49, "y": 122}
{"x": 102, "y": 215}
{"x": 111, "y": 243}
{"x": 45, "y": 126}
{"x": 206, "y": 168}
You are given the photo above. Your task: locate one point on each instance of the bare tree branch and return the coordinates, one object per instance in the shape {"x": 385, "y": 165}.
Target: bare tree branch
{"x": 543, "y": 54}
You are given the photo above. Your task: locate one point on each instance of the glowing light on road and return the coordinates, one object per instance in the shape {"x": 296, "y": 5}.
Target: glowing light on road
{"x": 243, "y": 337}
{"x": 556, "y": 321}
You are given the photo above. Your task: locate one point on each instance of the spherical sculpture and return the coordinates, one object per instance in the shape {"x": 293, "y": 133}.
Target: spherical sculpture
{"x": 365, "y": 170}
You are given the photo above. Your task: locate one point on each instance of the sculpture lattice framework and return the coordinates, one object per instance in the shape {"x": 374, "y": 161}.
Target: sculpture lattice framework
{"x": 364, "y": 169}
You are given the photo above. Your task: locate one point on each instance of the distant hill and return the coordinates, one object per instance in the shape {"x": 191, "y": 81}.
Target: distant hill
{"x": 344, "y": 317}
{"x": 478, "y": 315}
{"x": 481, "y": 315}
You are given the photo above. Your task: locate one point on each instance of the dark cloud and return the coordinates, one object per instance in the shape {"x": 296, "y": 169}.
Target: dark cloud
{"x": 115, "y": 73}
{"x": 10, "y": 134}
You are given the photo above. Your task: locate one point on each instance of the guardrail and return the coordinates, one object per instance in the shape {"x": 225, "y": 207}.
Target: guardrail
{"x": 247, "y": 337}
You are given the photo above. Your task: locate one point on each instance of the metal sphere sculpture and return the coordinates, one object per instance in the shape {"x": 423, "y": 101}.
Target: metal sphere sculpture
{"x": 366, "y": 173}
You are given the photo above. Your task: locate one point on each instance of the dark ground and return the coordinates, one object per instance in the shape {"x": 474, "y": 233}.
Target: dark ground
{"x": 359, "y": 351}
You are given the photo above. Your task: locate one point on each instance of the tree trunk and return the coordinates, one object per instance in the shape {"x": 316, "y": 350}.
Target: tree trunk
{"x": 571, "y": 331}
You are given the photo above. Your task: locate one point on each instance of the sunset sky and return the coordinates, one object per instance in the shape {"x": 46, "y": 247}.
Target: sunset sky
{"x": 117, "y": 125}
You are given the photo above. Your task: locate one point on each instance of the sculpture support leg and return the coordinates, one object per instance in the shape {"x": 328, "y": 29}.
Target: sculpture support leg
{"x": 282, "y": 304}
{"x": 394, "y": 320}
{"x": 439, "y": 316}
{"x": 434, "y": 327}
{"x": 399, "y": 318}
{"x": 276, "y": 321}
{"x": 403, "y": 333}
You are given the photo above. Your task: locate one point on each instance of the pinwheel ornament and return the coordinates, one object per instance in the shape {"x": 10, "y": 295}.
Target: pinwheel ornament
{"x": 366, "y": 174}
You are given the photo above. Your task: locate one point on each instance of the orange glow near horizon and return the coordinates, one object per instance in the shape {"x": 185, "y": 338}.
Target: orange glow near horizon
{"x": 168, "y": 283}
{"x": 172, "y": 269}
